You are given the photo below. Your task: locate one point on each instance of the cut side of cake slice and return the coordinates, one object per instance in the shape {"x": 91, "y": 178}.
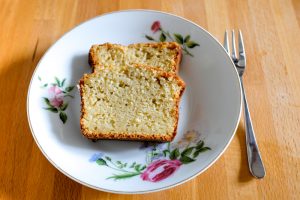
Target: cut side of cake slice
{"x": 164, "y": 55}
{"x": 130, "y": 103}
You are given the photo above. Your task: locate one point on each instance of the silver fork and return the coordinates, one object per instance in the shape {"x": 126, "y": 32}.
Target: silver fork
{"x": 254, "y": 159}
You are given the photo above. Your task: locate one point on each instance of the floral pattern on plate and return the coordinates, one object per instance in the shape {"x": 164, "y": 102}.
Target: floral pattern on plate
{"x": 56, "y": 99}
{"x": 185, "y": 41}
{"x": 161, "y": 160}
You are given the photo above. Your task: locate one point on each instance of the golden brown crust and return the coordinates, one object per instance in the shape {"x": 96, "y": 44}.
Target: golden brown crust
{"x": 95, "y": 62}
{"x": 178, "y": 57}
{"x": 134, "y": 136}
{"x": 128, "y": 136}
{"x": 92, "y": 57}
{"x": 81, "y": 84}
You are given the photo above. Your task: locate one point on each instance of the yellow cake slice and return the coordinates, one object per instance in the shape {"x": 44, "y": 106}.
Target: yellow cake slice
{"x": 164, "y": 55}
{"x": 130, "y": 103}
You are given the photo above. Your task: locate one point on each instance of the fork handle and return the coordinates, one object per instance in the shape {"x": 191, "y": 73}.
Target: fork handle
{"x": 254, "y": 158}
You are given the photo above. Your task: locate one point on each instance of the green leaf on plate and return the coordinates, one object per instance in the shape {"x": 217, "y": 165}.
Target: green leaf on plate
{"x": 119, "y": 162}
{"x": 174, "y": 154}
{"x": 124, "y": 176}
{"x": 187, "y": 38}
{"x": 63, "y": 82}
{"x": 47, "y": 101}
{"x": 64, "y": 106}
{"x": 165, "y": 152}
{"x": 187, "y": 151}
{"x": 200, "y": 144}
{"x": 63, "y": 116}
{"x": 191, "y": 44}
{"x": 155, "y": 153}
{"x": 52, "y": 109}
{"x": 137, "y": 167}
{"x": 178, "y": 38}
{"x": 144, "y": 167}
{"x": 162, "y": 37}
{"x": 197, "y": 152}
{"x": 132, "y": 165}
{"x": 107, "y": 158}
{"x": 57, "y": 81}
{"x": 100, "y": 161}
{"x": 149, "y": 37}
{"x": 67, "y": 95}
{"x": 69, "y": 89}
{"x": 186, "y": 159}
{"x": 205, "y": 149}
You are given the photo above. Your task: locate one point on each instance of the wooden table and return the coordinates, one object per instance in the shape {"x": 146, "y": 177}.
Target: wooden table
{"x": 272, "y": 81}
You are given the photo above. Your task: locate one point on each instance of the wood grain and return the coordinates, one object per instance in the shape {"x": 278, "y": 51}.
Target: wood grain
{"x": 271, "y": 33}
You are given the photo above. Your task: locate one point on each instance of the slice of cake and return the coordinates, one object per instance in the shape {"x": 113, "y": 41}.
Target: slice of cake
{"x": 130, "y": 103}
{"x": 164, "y": 55}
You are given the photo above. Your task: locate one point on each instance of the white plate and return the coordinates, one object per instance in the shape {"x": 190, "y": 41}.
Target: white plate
{"x": 209, "y": 110}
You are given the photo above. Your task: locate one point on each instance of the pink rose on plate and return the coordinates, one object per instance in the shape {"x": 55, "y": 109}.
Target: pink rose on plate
{"x": 160, "y": 169}
{"x": 155, "y": 26}
{"x": 56, "y": 96}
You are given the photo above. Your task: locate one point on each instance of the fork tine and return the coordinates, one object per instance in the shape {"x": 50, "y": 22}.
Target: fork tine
{"x": 233, "y": 55}
{"x": 226, "y": 46}
{"x": 242, "y": 54}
